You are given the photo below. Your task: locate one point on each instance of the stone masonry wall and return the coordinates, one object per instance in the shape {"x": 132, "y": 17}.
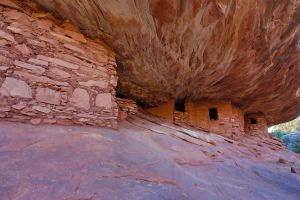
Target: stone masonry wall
{"x": 53, "y": 74}
{"x": 126, "y": 107}
{"x": 230, "y": 122}
{"x": 260, "y": 128}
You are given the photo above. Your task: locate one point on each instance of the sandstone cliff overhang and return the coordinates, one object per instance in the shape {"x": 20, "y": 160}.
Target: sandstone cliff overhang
{"x": 243, "y": 51}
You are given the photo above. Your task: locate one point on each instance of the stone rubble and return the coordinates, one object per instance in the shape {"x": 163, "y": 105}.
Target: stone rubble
{"x": 126, "y": 107}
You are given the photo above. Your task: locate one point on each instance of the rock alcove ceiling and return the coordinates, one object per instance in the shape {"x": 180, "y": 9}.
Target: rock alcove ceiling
{"x": 244, "y": 51}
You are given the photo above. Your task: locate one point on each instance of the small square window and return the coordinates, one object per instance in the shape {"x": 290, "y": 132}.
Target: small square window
{"x": 253, "y": 121}
{"x": 180, "y": 105}
{"x": 213, "y": 113}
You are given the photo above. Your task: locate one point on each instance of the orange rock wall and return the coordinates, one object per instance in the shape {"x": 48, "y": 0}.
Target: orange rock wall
{"x": 260, "y": 128}
{"x": 165, "y": 110}
{"x": 51, "y": 74}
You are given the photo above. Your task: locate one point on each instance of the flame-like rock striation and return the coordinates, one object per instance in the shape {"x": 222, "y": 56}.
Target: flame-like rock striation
{"x": 244, "y": 51}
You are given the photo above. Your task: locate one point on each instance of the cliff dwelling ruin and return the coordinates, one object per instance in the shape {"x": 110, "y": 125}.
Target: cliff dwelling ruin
{"x": 214, "y": 116}
{"x": 52, "y": 73}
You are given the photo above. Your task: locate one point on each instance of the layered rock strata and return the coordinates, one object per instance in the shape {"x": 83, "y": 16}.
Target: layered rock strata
{"x": 51, "y": 73}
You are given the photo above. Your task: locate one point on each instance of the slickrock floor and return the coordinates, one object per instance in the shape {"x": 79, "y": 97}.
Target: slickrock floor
{"x": 145, "y": 159}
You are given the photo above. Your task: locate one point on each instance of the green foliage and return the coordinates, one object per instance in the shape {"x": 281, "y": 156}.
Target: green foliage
{"x": 296, "y": 147}
{"x": 278, "y": 133}
{"x": 285, "y": 132}
{"x": 288, "y": 127}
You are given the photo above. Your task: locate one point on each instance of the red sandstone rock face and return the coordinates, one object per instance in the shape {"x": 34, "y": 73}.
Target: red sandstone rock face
{"x": 243, "y": 51}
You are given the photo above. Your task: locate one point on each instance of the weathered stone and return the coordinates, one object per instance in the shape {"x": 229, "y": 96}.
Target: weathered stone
{"x": 80, "y": 98}
{"x": 87, "y": 115}
{"x": 10, "y": 4}
{"x": 64, "y": 117}
{"x": 4, "y": 42}
{"x": 114, "y": 81}
{"x": 18, "y": 30}
{"x": 49, "y": 121}
{"x": 14, "y": 29}
{"x": 49, "y": 96}
{"x": 38, "y": 62}
{"x": 35, "y": 121}
{"x": 83, "y": 120}
{"x": 19, "y": 106}
{"x": 60, "y": 73}
{"x": 282, "y": 161}
{"x": 15, "y": 88}
{"x": 58, "y": 62}
{"x": 76, "y": 36}
{"x": 41, "y": 109}
{"x": 4, "y": 68}
{"x": 62, "y": 37}
{"x": 33, "y": 68}
{"x": 7, "y": 36}
{"x": 40, "y": 15}
{"x": 127, "y": 105}
{"x": 298, "y": 93}
{"x": 122, "y": 115}
{"x": 36, "y": 43}
{"x": 91, "y": 83}
{"x": 5, "y": 109}
{"x": 44, "y": 24}
{"x": 104, "y": 100}
{"x": 23, "y": 49}
{"x": 48, "y": 40}
{"x": 4, "y": 60}
{"x": 40, "y": 79}
{"x": 73, "y": 48}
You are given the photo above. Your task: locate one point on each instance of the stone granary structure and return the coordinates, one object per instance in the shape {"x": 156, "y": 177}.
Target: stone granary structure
{"x": 227, "y": 67}
{"x": 214, "y": 116}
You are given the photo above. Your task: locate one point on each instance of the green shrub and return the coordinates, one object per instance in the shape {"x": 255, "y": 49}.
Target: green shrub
{"x": 296, "y": 147}
{"x": 278, "y": 133}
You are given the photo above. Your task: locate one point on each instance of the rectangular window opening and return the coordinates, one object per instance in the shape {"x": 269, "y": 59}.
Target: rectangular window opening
{"x": 253, "y": 121}
{"x": 213, "y": 113}
{"x": 180, "y": 105}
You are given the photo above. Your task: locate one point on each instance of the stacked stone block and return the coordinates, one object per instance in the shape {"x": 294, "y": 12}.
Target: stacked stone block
{"x": 260, "y": 128}
{"x": 230, "y": 122}
{"x": 52, "y": 74}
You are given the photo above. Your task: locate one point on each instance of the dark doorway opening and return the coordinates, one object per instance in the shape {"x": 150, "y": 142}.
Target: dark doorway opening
{"x": 213, "y": 113}
{"x": 179, "y": 105}
{"x": 253, "y": 121}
